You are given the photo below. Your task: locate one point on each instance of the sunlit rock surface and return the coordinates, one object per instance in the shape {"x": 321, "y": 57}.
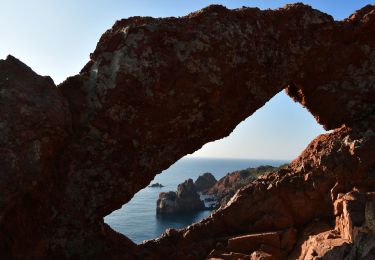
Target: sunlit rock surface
{"x": 226, "y": 187}
{"x": 155, "y": 90}
{"x": 291, "y": 199}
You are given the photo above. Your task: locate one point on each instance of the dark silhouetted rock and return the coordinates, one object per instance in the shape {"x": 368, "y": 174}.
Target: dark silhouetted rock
{"x": 156, "y": 185}
{"x": 35, "y": 128}
{"x": 167, "y": 203}
{"x": 205, "y": 181}
{"x": 186, "y": 199}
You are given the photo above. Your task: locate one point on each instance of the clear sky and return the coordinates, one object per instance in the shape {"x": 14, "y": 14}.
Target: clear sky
{"x": 55, "y": 38}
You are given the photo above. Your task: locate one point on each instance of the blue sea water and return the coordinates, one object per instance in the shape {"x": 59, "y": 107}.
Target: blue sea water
{"x": 138, "y": 220}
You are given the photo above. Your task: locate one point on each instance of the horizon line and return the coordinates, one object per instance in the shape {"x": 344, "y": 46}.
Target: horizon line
{"x": 232, "y": 158}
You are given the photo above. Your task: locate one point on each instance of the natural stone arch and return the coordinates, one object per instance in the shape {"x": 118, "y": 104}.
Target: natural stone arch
{"x": 179, "y": 74}
{"x": 144, "y": 100}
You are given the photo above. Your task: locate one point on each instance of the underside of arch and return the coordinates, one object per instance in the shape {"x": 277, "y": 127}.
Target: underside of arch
{"x": 157, "y": 89}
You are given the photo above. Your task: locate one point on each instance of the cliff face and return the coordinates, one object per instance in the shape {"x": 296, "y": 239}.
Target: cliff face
{"x": 35, "y": 128}
{"x": 226, "y": 187}
{"x": 290, "y": 200}
{"x": 157, "y": 89}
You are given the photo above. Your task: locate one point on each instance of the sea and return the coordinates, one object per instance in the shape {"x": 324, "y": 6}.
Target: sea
{"x": 138, "y": 219}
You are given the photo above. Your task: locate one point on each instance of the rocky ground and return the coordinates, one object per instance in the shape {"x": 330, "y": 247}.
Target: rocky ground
{"x": 155, "y": 90}
{"x": 295, "y": 213}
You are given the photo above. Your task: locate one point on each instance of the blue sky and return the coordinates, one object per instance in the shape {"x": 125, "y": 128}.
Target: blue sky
{"x": 55, "y": 38}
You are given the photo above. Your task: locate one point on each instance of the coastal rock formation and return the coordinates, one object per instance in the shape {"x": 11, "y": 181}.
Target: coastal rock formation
{"x": 155, "y": 90}
{"x": 167, "y": 203}
{"x": 294, "y": 201}
{"x": 204, "y": 182}
{"x": 185, "y": 200}
{"x": 35, "y": 128}
{"x": 227, "y": 186}
{"x": 156, "y": 185}
{"x": 353, "y": 236}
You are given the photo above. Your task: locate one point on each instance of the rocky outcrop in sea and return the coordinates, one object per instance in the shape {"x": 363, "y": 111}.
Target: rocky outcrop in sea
{"x": 156, "y": 185}
{"x": 185, "y": 200}
{"x": 204, "y": 182}
{"x": 157, "y": 89}
{"x": 206, "y": 192}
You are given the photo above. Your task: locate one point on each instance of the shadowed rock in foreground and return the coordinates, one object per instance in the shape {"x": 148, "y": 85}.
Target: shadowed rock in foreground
{"x": 290, "y": 200}
{"x": 158, "y": 89}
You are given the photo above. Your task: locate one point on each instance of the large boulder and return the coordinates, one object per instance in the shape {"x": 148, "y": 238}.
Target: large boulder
{"x": 188, "y": 196}
{"x": 352, "y": 237}
{"x": 167, "y": 203}
{"x": 204, "y": 182}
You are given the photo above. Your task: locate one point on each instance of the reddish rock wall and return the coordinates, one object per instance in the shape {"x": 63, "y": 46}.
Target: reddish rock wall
{"x": 290, "y": 199}
{"x": 157, "y": 89}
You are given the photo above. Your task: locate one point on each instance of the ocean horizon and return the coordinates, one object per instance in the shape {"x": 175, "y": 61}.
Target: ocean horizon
{"x": 138, "y": 219}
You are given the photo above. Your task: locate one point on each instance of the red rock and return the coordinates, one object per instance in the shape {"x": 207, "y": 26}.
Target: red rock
{"x": 257, "y": 201}
{"x": 273, "y": 251}
{"x": 260, "y": 255}
{"x": 216, "y": 253}
{"x": 252, "y": 242}
{"x": 345, "y": 239}
{"x": 233, "y": 256}
{"x": 150, "y": 95}
{"x": 288, "y": 239}
{"x": 34, "y": 129}
{"x": 348, "y": 75}
{"x": 205, "y": 181}
{"x": 227, "y": 186}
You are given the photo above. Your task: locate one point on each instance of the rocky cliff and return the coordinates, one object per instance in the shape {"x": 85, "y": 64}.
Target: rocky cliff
{"x": 226, "y": 187}
{"x": 187, "y": 198}
{"x": 277, "y": 213}
{"x": 155, "y": 90}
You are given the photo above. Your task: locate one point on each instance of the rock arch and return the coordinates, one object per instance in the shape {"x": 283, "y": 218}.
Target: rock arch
{"x": 144, "y": 100}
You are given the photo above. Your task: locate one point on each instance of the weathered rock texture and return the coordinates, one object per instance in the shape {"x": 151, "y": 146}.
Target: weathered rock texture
{"x": 185, "y": 200}
{"x": 157, "y": 89}
{"x": 35, "y": 128}
{"x": 205, "y": 182}
{"x": 226, "y": 187}
{"x": 353, "y": 236}
{"x": 291, "y": 199}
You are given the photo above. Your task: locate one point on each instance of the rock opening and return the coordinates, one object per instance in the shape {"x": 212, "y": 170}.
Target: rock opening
{"x": 85, "y": 148}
